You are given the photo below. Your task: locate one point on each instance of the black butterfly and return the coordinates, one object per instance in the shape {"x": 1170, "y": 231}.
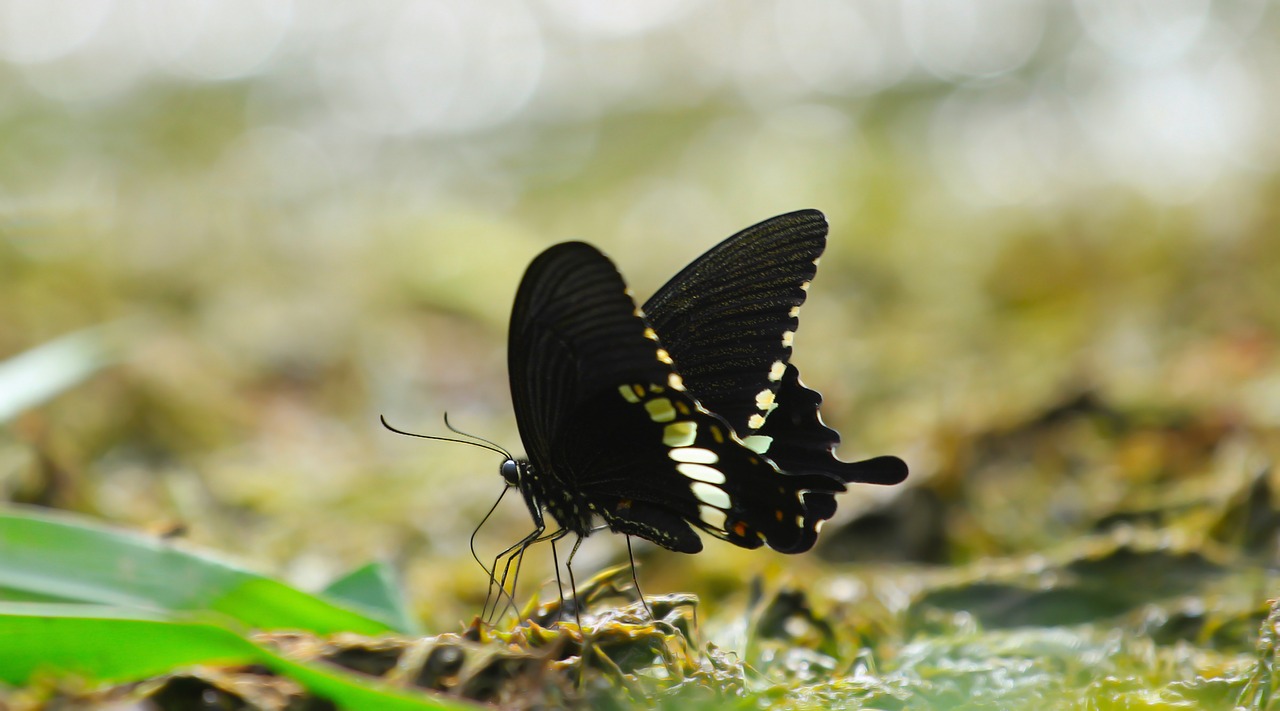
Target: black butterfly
{"x": 685, "y": 414}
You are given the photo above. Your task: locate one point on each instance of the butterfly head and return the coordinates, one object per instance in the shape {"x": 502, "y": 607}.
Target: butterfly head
{"x": 513, "y": 470}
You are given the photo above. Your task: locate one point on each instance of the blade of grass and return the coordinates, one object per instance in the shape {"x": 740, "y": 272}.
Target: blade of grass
{"x": 105, "y": 645}
{"x": 373, "y": 587}
{"x": 44, "y": 554}
{"x": 30, "y": 378}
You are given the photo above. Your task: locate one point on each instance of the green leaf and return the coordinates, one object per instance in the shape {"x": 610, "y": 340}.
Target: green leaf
{"x": 111, "y": 645}
{"x": 373, "y": 587}
{"x": 52, "y": 556}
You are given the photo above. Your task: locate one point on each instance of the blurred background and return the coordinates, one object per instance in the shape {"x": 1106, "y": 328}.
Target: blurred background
{"x": 278, "y": 220}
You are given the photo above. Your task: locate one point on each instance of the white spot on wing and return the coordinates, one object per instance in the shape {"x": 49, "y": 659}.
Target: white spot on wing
{"x": 710, "y": 495}
{"x": 758, "y": 443}
{"x": 794, "y": 312}
{"x": 804, "y": 286}
{"x": 755, "y": 422}
{"x": 694, "y": 455}
{"x": 702, "y": 473}
{"x": 711, "y": 516}
{"x": 787, "y": 338}
{"x": 675, "y": 381}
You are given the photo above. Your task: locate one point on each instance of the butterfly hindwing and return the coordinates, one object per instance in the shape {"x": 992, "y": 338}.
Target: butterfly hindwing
{"x": 684, "y": 462}
{"x": 799, "y": 441}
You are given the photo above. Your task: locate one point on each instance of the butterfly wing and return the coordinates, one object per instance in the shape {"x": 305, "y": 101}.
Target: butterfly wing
{"x": 611, "y": 431}
{"x": 728, "y": 319}
{"x": 572, "y": 327}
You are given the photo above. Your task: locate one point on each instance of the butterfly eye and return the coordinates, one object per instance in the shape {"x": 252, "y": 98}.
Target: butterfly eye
{"x": 510, "y": 470}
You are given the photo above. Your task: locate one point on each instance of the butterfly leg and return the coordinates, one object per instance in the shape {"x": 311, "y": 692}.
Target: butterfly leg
{"x": 555, "y": 564}
{"x": 636, "y": 580}
{"x": 515, "y": 556}
{"x": 511, "y": 553}
{"x": 573, "y": 586}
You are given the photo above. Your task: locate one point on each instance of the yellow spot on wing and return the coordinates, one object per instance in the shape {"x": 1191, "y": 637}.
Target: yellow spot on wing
{"x": 650, "y": 334}
{"x": 755, "y": 422}
{"x": 675, "y": 381}
{"x": 664, "y": 356}
{"x": 764, "y": 400}
{"x": 660, "y": 410}
{"x": 776, "y": 370}
{"x": 628, "y": 394}
{"x": 680, "y": 434}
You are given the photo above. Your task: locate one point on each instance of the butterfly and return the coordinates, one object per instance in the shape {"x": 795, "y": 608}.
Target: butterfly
{"x": 684, "y": 414}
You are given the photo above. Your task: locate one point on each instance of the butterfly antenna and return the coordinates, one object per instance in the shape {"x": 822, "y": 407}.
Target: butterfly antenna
{"x": 482, "y": 443}
{"x": 494, "y": 446}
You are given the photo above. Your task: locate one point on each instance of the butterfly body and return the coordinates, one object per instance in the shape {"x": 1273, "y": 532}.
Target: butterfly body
{"x": 685, "y": 415}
